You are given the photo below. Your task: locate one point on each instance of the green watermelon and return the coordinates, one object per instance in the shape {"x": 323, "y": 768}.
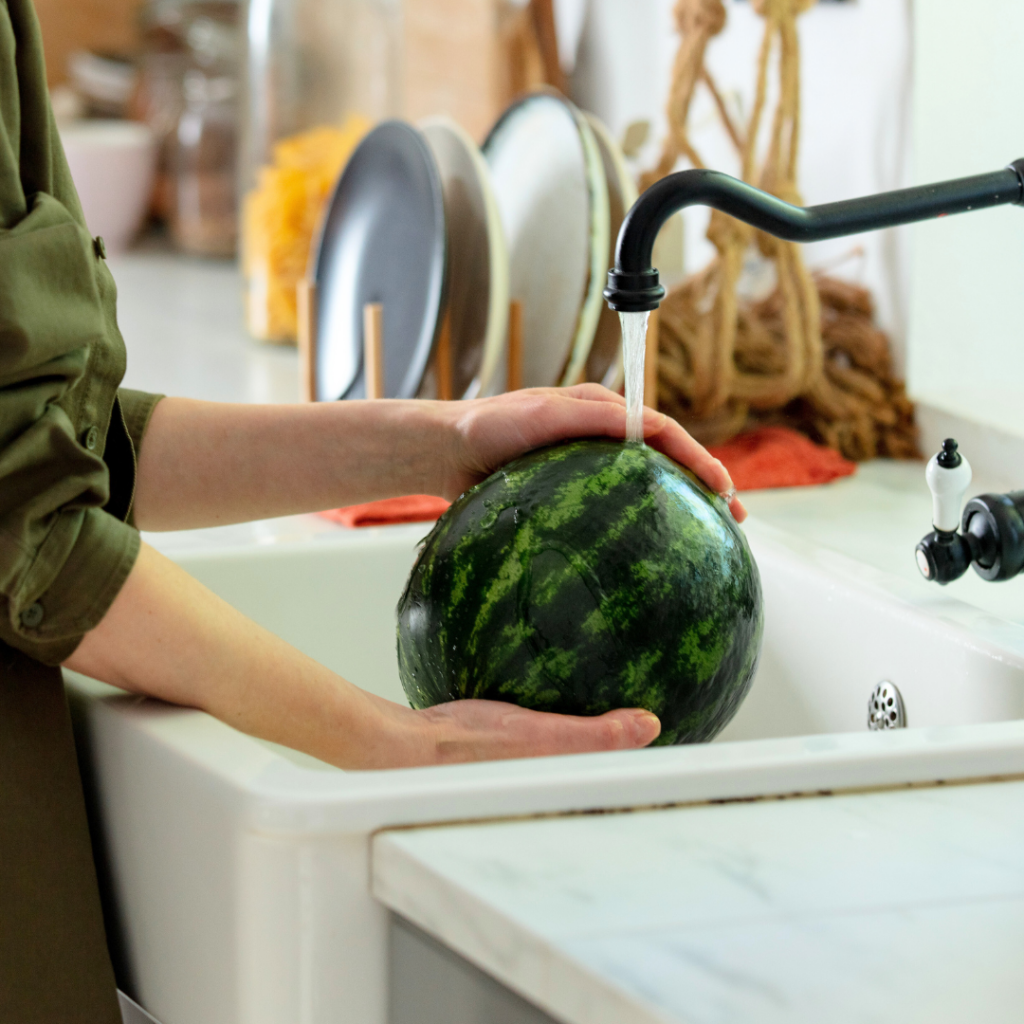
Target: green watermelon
{"x": 584, "y": 577}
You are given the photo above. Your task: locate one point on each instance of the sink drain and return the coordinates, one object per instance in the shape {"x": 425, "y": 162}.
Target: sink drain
{"x": 885, "y": 707}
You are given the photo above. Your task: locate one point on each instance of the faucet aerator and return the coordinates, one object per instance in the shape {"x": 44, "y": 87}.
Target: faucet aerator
{"x": 634, "y": 293}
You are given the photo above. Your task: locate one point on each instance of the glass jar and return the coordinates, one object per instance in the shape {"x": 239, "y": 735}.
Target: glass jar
{"x": 159, "y": 100}
{"x": 319, "y": 74}
{"x": 204, "y": 207}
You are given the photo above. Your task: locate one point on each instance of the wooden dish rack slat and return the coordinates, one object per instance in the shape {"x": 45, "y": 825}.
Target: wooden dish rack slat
{"x": 373, "y": 350}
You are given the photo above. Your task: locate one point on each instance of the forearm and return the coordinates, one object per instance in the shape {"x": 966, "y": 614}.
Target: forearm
{"x": 206, "y": 464}
{"x": 211, "y": 463}
{"x": 169, "y": 637}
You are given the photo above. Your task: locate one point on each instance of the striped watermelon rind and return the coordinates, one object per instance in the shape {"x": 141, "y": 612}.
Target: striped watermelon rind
{"x": 584, "y": 577}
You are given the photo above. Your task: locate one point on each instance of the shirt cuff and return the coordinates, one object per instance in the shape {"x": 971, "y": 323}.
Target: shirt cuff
{"x": 92, "y": 552}
{"x": 137, "y": 408}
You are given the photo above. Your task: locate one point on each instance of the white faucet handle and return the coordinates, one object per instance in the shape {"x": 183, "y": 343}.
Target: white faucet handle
{"x": 948, "y": 475}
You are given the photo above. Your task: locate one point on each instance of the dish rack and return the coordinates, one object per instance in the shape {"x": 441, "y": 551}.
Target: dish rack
{"x": 373, "y": 349}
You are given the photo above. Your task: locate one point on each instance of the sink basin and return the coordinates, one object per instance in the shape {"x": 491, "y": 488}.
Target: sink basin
{"x": 238, "y": 871}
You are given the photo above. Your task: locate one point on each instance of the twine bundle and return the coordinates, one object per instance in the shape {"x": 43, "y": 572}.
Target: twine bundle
{"x": 809, "y": 355}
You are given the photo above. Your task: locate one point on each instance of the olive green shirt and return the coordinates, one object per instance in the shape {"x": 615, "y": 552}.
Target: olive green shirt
{"x": 68, "y": 436}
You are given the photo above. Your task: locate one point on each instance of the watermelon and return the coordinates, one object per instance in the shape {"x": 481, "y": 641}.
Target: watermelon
{"x": 584, "y": 577}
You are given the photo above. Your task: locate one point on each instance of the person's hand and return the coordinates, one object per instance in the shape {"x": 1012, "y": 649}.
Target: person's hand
{"x": 485, "y": 730}
{"x": 491, "y": 431}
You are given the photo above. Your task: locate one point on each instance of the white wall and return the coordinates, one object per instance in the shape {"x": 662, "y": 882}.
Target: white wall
{"x": 856, "y": 91}
{"x": 967, "y": 314}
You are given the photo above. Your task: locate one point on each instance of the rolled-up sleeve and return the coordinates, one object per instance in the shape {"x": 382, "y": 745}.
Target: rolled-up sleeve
{"x": 68, "y": 437}
{"x": 137, "y": 407}
{"x": 62, "y": 558}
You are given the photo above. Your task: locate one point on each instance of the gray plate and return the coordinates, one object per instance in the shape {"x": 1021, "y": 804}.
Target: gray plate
{"x": 382, "y": 240}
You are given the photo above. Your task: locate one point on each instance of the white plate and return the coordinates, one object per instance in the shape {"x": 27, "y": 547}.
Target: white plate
{"x": 604, "y": 362}
{"x": 478, "y": 271}
{"x": 549, "y": 183}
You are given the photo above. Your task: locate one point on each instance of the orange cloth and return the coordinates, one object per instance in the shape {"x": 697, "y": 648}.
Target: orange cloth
{"x": 779, "y": 457}
{"x": 409, "y": 508}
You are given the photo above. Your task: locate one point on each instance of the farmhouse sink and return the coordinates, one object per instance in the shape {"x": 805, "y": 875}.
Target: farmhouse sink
{"x": 238, "y": 871}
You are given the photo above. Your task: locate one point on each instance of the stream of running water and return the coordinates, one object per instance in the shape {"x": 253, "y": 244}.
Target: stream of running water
{"x": 634, "y": 343}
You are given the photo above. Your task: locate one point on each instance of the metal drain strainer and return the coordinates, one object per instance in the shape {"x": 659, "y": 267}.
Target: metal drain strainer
{"x": 885, "y": 707}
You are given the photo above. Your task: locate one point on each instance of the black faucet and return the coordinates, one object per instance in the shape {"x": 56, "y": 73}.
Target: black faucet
{"x": 633, "y": 285}
{"x": 992, "y": 528}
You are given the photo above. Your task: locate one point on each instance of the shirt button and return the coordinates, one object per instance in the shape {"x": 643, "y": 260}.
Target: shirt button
{"x": 32, "y": 616}
{"x": 99, "y": 247}
{"x": 91, "y": 438}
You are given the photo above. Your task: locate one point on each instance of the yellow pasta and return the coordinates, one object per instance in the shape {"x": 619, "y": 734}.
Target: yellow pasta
{"x": 281, "y": 215}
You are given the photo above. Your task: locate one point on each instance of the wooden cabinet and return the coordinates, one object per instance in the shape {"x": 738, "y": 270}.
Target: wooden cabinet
{"x": 470, "y": 58}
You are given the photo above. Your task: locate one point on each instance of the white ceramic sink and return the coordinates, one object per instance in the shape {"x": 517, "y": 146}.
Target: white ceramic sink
{"x": 240, "y": 871}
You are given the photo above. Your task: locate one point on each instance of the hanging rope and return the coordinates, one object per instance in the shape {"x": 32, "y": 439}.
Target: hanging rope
{"x": 809, "y": 355}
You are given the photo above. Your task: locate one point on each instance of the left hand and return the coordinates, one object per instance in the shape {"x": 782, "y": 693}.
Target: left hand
{"x": 491, "y": 431}
{"x": 169, "y": 637}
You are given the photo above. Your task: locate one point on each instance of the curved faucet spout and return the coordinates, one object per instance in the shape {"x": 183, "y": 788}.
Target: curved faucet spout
{"x": 633, "y": 284}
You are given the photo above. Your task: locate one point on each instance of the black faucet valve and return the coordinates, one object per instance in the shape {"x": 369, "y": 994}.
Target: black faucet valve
{"x": 943, "y": 557}
{"x": 948, "y": 475}
{"x": 991, "y": 536}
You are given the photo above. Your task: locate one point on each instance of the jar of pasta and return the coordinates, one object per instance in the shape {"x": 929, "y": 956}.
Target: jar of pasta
{"x": 319, "y": 74}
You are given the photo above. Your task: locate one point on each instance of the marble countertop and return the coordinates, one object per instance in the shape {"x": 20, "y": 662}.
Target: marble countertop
{"x": 901, "y": 906}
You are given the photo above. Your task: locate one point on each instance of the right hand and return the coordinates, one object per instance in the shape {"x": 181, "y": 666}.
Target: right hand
{"x": 489, "y": 432}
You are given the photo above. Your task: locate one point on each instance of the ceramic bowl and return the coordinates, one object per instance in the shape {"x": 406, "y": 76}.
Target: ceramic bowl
{"x": 112, "y": 164}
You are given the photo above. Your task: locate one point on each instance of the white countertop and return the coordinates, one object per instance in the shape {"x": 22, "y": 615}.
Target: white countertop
{"x": 182, "y": 323}
{"x": 898, "y": 906}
